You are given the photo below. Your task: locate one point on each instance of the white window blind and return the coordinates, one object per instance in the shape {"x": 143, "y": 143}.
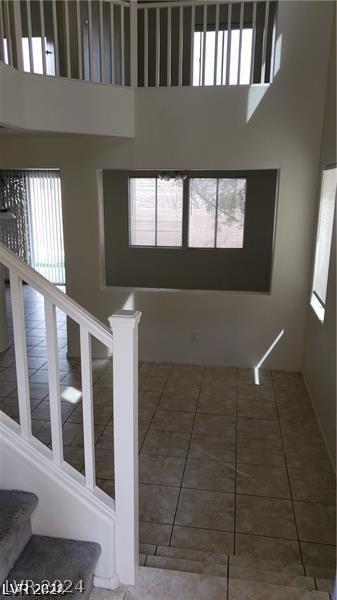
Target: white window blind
{"x": 156, "y": 212}
{"x": 324, "y": 234}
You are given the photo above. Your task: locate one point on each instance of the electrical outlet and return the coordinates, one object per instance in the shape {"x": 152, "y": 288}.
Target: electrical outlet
{"x": 195, "y": 336}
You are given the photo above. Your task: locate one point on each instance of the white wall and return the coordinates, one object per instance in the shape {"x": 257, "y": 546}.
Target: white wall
{"x": 319, "y": 358}
{"x": 39, "y": 103}
{"x": 209, "y": 128}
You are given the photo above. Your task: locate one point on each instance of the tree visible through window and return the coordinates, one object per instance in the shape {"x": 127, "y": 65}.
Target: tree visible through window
{"x": 216, "y": 213}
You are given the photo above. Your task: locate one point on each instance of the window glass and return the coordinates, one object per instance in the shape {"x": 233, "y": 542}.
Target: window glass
{"x": 142, "y": 212}
{"x": 156, "y": 212}
{"x": 216, "y": 213}
{"x": 323, "y": 240}
{"x": 202, "y": 213}
{"x": 231, "y": 213}
{"x": 169, "y": 212}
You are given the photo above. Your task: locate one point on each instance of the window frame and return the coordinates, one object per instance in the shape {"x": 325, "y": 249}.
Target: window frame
{"x": 154, "y": 246}
{"x": 184, "y": 246}
{"x": 215, "y": 247}
{"x": 316, "y": 302}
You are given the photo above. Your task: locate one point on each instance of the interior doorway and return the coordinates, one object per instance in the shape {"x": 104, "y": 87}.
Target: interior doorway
{"x": 31, "y": 219}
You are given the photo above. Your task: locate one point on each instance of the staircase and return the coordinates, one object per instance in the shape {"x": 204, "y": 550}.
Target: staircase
{"x": 70, "y": 503}
{"x": 187, "y": 574}
{"x": 36, "y": 558}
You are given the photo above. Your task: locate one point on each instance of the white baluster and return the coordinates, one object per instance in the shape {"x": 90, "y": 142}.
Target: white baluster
{"x": 88, "y": 409}
{"x": 112, "y": 43}
{"x": 217, "y": 11}
{"x": 124, "y": 325}
{"x": 157, "y": 46}
{"x": 264, "y": 46}
{"x": 146, "y": 48}
{"x": 133, "y": 44}
{"x": 101, "y": 40}
{"x": 122, "y": 44}
{"x": 91, "y": 57}
{"x": 66, "y": 18}
{"x": 229, "y": 40}
{"x": 54, "y": 381}
{"x": 252, "y": 62}
{"x": 181, "y": 46}
{"x": 204, "y": 35}
{"x": 192, "y": 43}
{"x": 8, "y": 33}
{"x": 240, "y": 41}
{"x": 18, "y": 34}
{"x": 56, "y": 39}
{"x": 21, "y": 354}
{"x": 79, "y": 39}
{"x": 30, "y": 36}
{"x": 43, "y": 38}
{"x": 169, "y": 46}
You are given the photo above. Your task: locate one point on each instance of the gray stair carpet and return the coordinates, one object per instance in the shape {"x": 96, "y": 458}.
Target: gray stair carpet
{"x": 50, "y": 559}
{"x": 16, "y": 508}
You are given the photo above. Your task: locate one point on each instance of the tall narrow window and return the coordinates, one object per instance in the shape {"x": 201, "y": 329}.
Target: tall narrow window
{"x": 323, "y": 241}
{"x": 216, "y": 213}
{"x": 156, "y": 212}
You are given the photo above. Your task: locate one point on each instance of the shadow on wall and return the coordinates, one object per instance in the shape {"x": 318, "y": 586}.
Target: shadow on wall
{"x": 257, "y": 92}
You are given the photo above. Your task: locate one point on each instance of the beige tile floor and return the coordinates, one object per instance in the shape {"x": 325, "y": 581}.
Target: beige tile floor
{"x": 225, "y": 466}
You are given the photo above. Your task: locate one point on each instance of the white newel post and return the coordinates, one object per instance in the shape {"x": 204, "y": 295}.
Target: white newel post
{"x": 124, "y": 326}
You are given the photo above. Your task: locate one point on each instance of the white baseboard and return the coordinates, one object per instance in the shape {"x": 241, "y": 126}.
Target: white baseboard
{"x": 107, "y": 583}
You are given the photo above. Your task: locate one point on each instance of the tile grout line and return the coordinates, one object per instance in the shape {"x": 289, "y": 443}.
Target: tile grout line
{"x": 187, "y": 453}
{"x": 288, "y": 478}
{"x": 154, "y": 412}
{"x": 235, "y": 463}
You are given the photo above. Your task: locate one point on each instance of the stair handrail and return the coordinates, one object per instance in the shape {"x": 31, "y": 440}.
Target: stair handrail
{"x": 69, "y": 306}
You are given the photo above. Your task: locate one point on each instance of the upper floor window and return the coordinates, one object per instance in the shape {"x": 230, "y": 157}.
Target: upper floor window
{"x": 210, "y": 57}
{"x": 156, "y": 212}
{"x": 323, "y": 241}
{"x": 216, "y": 213}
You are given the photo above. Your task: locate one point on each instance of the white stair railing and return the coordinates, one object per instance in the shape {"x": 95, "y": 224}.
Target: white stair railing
{"x": 123, "y": 344}
{"x": 142, "y": 43}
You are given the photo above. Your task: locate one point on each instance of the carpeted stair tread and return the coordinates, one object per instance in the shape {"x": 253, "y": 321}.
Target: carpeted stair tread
{"x": 16, "y": 508}
{"x": 49, "y": 558}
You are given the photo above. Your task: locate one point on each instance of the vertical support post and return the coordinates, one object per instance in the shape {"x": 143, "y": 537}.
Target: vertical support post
{"x": 21, "y": 354}
{"x": 43, "y": 38}
{"x": 169, "y": 46}
{"x": 133, "y": 44}
{"x": 124, "y": 326}
{"x": 56, "y": 40}
{"x": 18, "y": 35}
{"x": 192, "y": 44}
{"x": 146, "y": 47}
{"x": 54, "y": 382}
{"x": 88, "y": 409}
{"x": 157, "y": 78}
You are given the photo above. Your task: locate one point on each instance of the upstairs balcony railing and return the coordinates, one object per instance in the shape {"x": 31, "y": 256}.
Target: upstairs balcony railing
{"x": 141, "y": 44}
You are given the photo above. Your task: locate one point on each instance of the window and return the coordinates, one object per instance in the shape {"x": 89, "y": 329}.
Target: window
{"x": 323, "y": 241}
{"x": 216, "y": 213}
{"x": 156, "y": 212}
{"x": 217, "y": 51}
